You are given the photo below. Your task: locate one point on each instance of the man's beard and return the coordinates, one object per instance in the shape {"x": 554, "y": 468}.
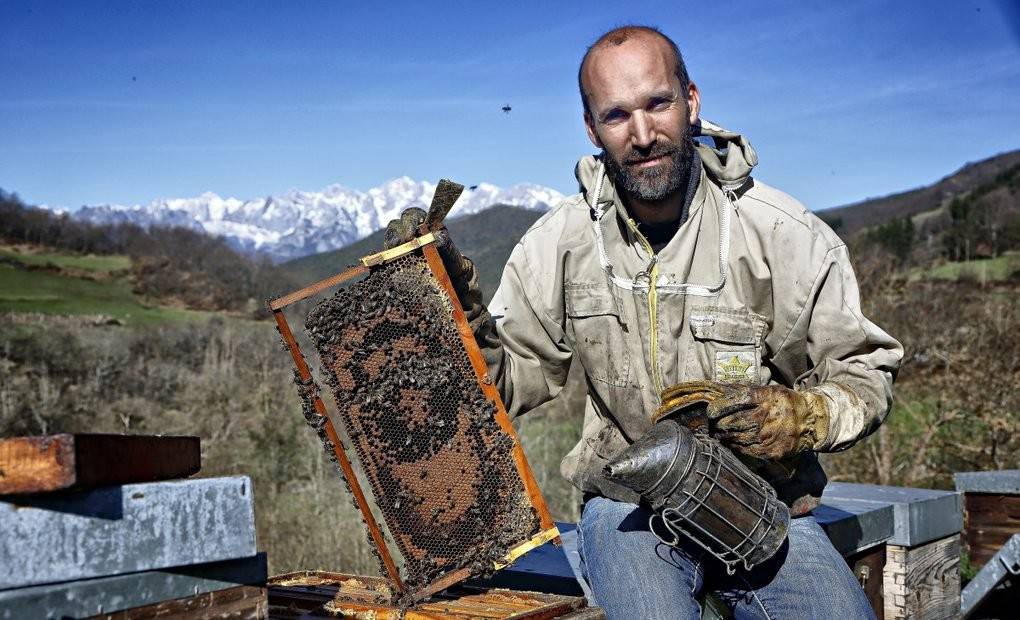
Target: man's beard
{"x": 658, "y": 182}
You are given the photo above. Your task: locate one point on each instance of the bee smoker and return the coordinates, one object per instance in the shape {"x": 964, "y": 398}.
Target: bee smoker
{"x": 699, "y": 490}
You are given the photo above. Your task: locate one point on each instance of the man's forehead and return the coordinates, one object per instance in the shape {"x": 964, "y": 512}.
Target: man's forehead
{"x": 643, "y": 61}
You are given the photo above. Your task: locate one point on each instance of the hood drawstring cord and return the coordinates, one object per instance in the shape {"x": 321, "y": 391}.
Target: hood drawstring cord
{"x": 642, "y": 282}
{"x": 645, "y": 274}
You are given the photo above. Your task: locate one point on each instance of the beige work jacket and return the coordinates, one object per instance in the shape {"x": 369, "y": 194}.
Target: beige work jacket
{"x": 753, "y": 288}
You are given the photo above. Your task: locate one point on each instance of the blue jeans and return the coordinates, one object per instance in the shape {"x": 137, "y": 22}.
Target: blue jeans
{"x": 633, "y": 574}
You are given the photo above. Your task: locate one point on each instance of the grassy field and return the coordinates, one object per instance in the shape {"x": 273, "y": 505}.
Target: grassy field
{"x": 89, "y": 262}
{"x": 982, "y": 270}
{"x": 53, "y": 293}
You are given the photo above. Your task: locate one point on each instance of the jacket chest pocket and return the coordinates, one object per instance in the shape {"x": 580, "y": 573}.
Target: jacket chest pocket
{"x": 599, "y": 333}
{"x": 727, "y": 345}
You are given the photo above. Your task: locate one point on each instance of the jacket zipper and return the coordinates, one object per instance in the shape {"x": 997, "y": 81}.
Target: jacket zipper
{"x": 653, "y": 309}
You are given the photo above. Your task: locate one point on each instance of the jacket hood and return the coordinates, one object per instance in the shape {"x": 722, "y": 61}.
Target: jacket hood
{"x": 728, "y": 161}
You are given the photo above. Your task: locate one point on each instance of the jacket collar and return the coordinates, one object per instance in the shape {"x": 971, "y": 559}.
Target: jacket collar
{"x": 727, "y": 162}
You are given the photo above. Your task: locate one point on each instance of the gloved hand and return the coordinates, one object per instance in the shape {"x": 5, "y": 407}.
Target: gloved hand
{"x": 461, "y": 270}
{"x": 767, "y": 422}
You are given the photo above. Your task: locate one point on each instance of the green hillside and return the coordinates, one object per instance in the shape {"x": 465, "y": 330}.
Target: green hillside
{"x": 487, "y": 238}
{"x": 170, "y": 267}
{"x": 850, "y": 219}
{"x": 980, "y": 270}
{"x": 64, "y": 283}
{"x": 92, "y": 263}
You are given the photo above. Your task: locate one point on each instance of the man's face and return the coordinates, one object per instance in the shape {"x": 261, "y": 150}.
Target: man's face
{"x": 639, "y": 117}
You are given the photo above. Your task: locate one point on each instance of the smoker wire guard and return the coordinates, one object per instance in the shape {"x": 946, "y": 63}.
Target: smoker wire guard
{"x": 446, "y": 194}
{"x": 677, "y": 521}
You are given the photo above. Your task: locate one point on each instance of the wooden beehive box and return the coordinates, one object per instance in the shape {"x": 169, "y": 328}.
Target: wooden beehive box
{"x": 318, "y": 594}
{"x": 992, "y": 505}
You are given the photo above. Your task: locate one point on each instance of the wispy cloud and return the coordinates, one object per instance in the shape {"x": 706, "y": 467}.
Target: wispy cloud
{"x": 155, "y": 148}
{"x": 996, "y": 69}
{"x": 374, "y": 103}
{"x": 91, "y": 104}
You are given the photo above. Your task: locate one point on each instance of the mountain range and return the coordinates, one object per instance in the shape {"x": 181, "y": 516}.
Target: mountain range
{"x": 487, "y": 237}
{"x": 299, "y": 223}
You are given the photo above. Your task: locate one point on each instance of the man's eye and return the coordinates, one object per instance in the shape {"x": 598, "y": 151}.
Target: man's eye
{"x": 659, "y": 104}
{"x": 613, "y": 116}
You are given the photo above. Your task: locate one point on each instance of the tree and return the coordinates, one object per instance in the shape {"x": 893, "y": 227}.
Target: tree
{"x": 895, "y": 236}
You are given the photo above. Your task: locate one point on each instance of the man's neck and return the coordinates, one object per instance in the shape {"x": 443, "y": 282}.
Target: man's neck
{"x": 656, "y": 211}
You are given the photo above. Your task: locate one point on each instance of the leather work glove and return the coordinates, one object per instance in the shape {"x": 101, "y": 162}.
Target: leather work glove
{"x": 767, "y": 422}
{"x": 461, "y": 270}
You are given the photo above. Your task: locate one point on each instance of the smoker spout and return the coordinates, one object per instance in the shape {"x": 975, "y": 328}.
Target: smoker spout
{"x": 657, "y": 453}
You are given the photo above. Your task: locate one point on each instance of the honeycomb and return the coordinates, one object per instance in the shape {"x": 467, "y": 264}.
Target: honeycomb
{"x": 440, "y": 468}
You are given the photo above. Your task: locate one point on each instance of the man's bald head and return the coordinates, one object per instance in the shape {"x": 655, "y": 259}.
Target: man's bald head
{"x": 617, "y": 37}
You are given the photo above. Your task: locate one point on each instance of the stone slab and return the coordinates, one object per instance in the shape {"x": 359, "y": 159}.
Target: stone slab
{"x": 104, "y": 595}
{"x": 1002, "y": 482}
{"x": 919, "y": 515}
{"x": 124, "y": 529}
{"x": 854, "y": 525}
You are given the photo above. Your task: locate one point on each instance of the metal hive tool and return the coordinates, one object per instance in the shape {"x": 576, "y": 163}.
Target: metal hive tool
{"x": 421, "y": 436}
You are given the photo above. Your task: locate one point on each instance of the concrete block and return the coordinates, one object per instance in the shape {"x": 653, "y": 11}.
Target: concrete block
{"x": 1002, "y": 482}
{"x": 124, "y": 529}
{"x": 103, "y": 595}
{"x": 919, "y": 515}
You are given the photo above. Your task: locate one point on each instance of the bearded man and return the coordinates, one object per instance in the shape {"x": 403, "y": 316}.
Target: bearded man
{"x": 672, "y": 265}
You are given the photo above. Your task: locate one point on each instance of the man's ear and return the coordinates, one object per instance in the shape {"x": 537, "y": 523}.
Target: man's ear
{"x": 693, "y": 103}
{"x": 589, "y": 125}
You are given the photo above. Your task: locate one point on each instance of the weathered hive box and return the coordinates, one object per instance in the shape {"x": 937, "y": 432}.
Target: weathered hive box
{"x": 31, "y": 465}
{"x": 992, "y": 503}
{"x": 88, "y": 535}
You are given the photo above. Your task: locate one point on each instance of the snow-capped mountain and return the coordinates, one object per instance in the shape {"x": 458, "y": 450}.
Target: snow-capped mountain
{"x": 299, "y": 223}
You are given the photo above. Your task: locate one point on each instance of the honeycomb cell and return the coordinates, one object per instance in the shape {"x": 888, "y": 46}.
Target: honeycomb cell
{"x": 440, "y": 468}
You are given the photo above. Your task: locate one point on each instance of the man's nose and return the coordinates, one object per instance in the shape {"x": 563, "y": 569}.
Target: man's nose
{"x": 642, "y": 130}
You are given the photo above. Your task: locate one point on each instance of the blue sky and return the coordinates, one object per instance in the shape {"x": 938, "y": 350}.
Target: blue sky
{"x": 125, "y": 102}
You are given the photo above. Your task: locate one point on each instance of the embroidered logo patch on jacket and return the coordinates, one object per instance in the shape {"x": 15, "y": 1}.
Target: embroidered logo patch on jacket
{"x": 735, "y": 366}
